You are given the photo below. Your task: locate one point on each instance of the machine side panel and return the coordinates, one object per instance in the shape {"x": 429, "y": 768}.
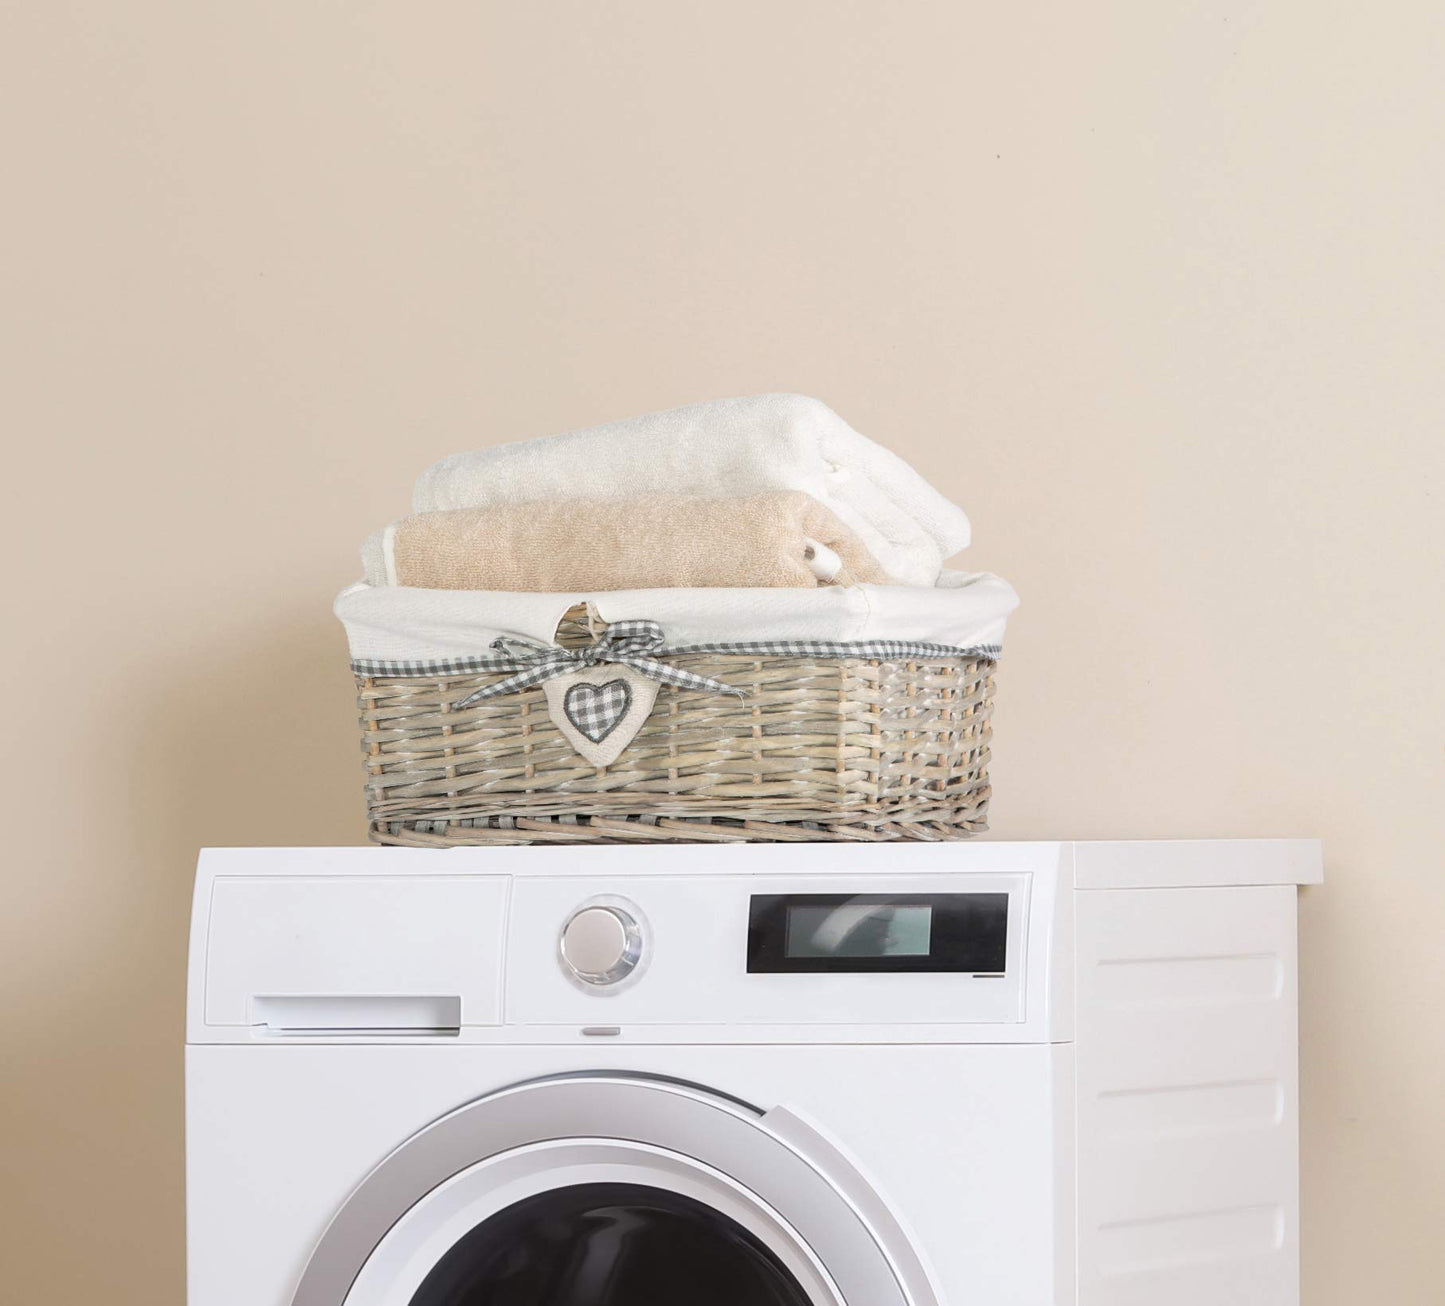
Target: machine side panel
{"x": 1188, "y": 1097}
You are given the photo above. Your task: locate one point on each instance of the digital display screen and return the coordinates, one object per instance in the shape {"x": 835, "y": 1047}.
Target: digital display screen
{"x": 963, "y": 933}
{"x": 860, "y": 930}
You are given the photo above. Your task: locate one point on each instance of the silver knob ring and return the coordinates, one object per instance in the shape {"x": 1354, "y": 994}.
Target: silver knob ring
{"x": 608, "y": 938}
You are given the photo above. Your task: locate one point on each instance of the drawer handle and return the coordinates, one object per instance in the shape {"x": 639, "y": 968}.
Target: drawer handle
{"x": 379, "y": 1014}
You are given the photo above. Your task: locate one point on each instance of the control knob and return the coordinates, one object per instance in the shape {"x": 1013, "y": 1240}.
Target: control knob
{"x": 601, "y": 944}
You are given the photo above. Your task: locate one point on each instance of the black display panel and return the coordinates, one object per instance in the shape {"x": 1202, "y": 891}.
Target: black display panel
{"x": 873, "y": 933}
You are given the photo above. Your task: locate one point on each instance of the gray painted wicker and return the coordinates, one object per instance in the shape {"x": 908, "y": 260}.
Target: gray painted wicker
{"x": 819, "y": 749}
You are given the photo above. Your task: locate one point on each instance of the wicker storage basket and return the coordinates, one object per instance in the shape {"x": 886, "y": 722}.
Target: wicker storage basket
{"x": 819, "y": 749}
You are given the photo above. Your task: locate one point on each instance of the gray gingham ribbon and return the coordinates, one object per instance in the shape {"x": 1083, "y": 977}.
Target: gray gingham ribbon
{"x": 873, "y": 649}
{"x": 629, "y": 643}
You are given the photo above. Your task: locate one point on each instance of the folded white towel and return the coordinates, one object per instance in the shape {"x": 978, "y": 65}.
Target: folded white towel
{"x": 721, "y": 449}
{"x": 390, "y": 623}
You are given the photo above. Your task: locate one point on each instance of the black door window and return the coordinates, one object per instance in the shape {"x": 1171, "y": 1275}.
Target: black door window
{"x": 609, "y": 1245}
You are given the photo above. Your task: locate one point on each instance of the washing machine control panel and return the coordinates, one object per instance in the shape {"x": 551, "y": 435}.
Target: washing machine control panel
{"x": 733, "y": 951}
{"x": 676, "y": 944}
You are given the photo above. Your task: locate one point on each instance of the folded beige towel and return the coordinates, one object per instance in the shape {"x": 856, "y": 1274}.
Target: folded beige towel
{"x": 653, "y": 542}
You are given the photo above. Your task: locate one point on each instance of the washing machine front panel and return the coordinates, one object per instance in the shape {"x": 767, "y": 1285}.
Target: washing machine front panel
{"x": 359, "y": 1027}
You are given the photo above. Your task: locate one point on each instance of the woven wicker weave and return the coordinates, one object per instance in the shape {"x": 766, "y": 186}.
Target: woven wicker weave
{"x": 819, "y": 749}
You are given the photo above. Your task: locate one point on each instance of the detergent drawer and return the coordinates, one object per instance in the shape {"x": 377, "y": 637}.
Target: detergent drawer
{"x": 354, "y": 955}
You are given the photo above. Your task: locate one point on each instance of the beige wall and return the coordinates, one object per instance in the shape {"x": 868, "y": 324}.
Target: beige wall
{"x": 1155, "y": 289}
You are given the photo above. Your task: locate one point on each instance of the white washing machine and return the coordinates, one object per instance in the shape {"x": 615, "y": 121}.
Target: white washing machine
{"x": 982, "y": 1074}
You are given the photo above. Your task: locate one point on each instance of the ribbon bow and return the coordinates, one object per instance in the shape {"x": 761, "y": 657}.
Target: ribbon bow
{"x": 631, "y": 643}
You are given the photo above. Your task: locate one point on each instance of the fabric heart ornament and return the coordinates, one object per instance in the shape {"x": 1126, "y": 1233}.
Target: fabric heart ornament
{"x": 597, "y": 710}
{"x": 600, "y": 710}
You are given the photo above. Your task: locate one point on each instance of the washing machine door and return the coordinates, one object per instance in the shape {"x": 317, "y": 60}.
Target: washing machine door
{"x": 610, "y": 1190}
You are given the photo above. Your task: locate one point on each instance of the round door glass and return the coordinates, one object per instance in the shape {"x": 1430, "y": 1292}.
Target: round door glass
{"x": 609, "y": 1245}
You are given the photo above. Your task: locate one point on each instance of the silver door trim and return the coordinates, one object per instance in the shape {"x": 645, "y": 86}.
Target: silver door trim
{"x": 785, "y": 1162}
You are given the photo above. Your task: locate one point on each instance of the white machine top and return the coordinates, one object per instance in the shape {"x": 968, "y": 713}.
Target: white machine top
{"x": 1096, "y": 864}
{"x": 814, "y": 942}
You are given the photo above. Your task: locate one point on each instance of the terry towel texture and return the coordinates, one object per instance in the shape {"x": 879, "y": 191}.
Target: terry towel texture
{"x": 725, "y": 448}
{"x": 764, "y": 541}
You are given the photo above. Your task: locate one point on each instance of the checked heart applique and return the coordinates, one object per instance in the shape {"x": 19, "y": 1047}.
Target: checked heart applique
{"x": 597, "y": 710}
{"x": 600, "y": 720}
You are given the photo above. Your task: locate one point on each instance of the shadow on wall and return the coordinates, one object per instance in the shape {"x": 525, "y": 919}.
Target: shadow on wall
{"x": 236, "y": 741}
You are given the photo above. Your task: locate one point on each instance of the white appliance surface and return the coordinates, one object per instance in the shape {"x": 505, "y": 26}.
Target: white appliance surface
{"x": 1027, "y": 1074}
